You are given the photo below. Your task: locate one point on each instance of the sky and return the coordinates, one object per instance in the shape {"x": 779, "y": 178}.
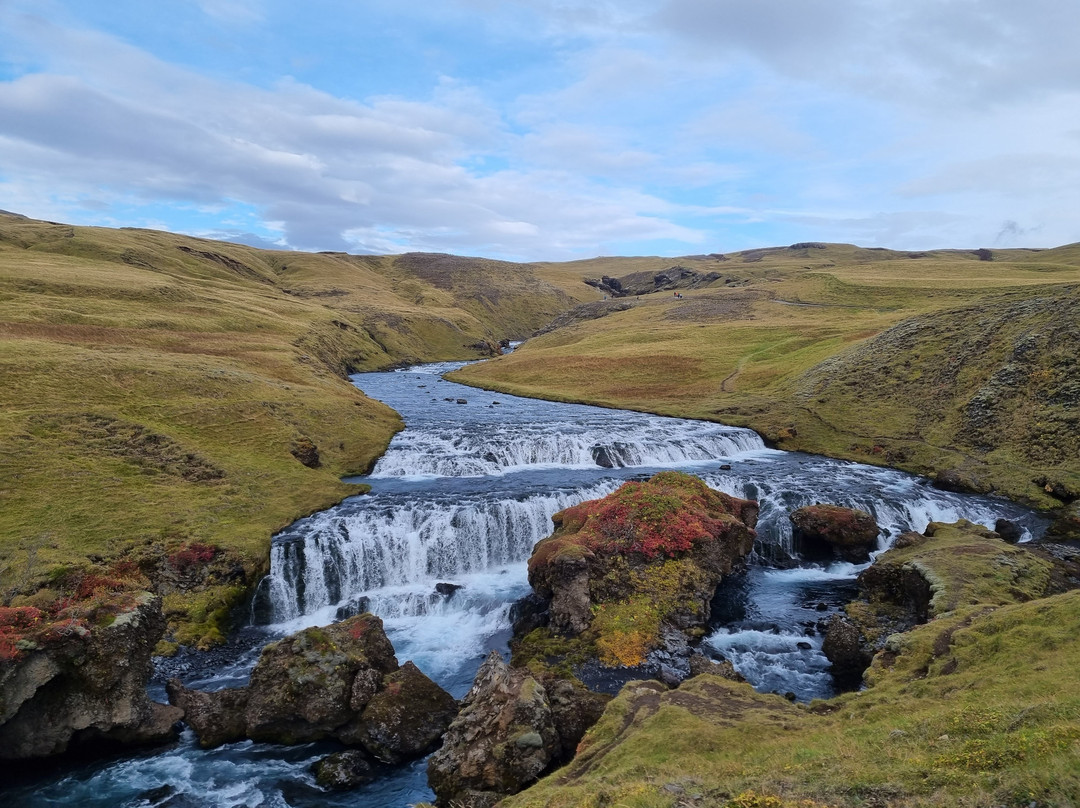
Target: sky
{"x": 547, "y": 129}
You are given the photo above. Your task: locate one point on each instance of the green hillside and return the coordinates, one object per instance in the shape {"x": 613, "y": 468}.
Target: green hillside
{"x": 159, "y": 392}
{"x": 939, "y": 361}
{"x": 976, "y": 708}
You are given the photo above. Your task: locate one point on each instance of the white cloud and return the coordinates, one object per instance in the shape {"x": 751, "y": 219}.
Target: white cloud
{"x": 633, "y": 122}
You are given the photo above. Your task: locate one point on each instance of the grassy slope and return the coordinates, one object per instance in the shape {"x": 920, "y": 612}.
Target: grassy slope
{"x": 796, "y": 344}
{"x": 154, "y": 386}
{"x": 978, "y": 707}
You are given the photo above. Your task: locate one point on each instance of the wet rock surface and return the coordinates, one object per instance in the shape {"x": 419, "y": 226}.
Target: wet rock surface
{"x": 821, "y": 530}
{"x": 848, "y": 650}
{"x": 340, "y": 682}
{"x": 511, "y": 730}
{"x": 344, "y": 770}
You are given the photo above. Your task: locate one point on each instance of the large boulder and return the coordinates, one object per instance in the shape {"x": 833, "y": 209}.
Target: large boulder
{"x": 301, "y": 689}
{"x": 831, "y": 529}
{"x": 217, "y": 717}
{"x": 405, "y": 718}
{"x": 338, "y": 682}
{"x": 512, "y": 729}
{"x": 77, "y": 684}
{"x": 622, "y": 573}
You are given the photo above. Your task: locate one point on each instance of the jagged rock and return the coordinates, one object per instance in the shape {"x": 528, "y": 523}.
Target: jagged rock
{"x": 571, "y": 603}
{"x": 86, "y": 688}
{"x": 528, "y": 613}
{"x": 344, "y": 770}
{"x": 447, "y": 589}
{"x": 304, "y": 450}
{"x": 341, "y": 682}
{"x": 301, "y": 687}
{"x": 503, "y": 739}
{"x": 405, "y": 719}
{"x": 354, "y": 607}
{"x": 847, "y": 650}
{"x": 898, "y": 585}
{"x": 574, "y": 709}
{"x": 849, "y": 533}
{"x": 217, "y": 717}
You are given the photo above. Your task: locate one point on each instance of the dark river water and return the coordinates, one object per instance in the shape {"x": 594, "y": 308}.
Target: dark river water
{"x": 461, "y": 497}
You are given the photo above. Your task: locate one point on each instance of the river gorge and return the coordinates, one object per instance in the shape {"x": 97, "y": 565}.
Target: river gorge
{"x": 438, "y": 550}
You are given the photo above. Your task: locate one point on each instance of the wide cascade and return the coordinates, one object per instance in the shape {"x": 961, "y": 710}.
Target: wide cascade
{"x": 438, "y": 549}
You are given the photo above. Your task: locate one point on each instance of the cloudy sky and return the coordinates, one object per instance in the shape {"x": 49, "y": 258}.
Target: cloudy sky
{"x": 547, "y": 129}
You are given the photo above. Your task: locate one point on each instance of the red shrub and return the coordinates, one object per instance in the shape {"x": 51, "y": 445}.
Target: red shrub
{"x": 664, "y": 516}
{"x": 192, "y": 555}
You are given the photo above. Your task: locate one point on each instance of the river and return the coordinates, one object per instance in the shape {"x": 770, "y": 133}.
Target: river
{"x": 460, "y": 497}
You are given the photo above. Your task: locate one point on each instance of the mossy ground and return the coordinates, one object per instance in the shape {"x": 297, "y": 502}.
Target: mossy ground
{"x": 979, "y": 707}
{"x": 925, "y": 361}
{"x": 156, "y": 389}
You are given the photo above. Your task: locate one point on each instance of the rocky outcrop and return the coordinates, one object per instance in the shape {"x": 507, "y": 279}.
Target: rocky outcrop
{"x": 960, "y": 481}
{"x": 85, "y": 686}
{"x": 634, "y": 573}
{"x": 849, "y": 651}
{"x": 512, "y": 728}
{"x": 823, "y": 530}
{"x": 701, "y": 664}
{"x": 944, "y": 570}
{"x": 621, "y": 570}
{"x": 304, "y": 450}
{"x": 643, "y": 283}
{"x": 404, "y": 719}
{"x": 217, "y": 717}
{"x": 341, "y": 682}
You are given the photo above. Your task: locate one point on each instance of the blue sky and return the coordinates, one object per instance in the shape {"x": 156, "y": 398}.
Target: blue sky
{"x": 547, "y": 129}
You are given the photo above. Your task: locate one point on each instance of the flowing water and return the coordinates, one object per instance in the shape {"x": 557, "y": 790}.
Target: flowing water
{"x": 459, "y": 500}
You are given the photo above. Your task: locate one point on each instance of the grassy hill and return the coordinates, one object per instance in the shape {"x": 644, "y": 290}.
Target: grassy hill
{"x": 977, "y": 707}
{"x": 937, "y": 361}
{"x": 160, "y": 392}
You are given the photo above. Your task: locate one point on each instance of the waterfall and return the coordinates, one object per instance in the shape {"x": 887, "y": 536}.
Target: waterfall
{"x": 464, "y": 493}
{"x": 456, "y": 450}
{"x": 375, "y": 544}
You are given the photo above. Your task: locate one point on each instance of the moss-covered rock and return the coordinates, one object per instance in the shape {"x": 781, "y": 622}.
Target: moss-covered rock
{"x": 302, "y": 686}
{"x": 405, "y": 719}
{"x": 340, "y": 682}
{"x": 344, "y": 770}
{"x": 513, "y": 727}
{"x": 620, "y": 570}
{"x": 77, "y": 678}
